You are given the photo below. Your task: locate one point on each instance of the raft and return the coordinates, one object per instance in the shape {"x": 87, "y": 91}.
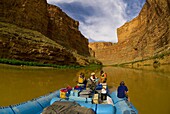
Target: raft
{"x": 86, "y": 98}
{"x": 34, "y": 106}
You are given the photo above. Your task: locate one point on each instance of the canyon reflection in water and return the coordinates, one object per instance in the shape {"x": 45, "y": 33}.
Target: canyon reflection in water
{"x": 148, "y": 89}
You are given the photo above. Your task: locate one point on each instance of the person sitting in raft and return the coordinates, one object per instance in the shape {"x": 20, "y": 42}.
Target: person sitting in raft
{"x": 92, "y": 81}
{"x": 122, "y": 90}
{"x": 93, "y": 77}
{"x": 82, "y": 80}
{"x": 103, "y": 77}
{"x": 104, "y": 93}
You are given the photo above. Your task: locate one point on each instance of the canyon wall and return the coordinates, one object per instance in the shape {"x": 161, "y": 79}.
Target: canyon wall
{"x": 50, "y": 20}
{"x": 32, "y": 30}
{"x": 31, "y": 14}
{"x": 146, "y": 36}
{"x": 64, "y": 30}
{"x": 27, "y": 45}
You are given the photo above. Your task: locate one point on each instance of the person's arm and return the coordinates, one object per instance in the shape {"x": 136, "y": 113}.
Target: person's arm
{"x": 126, "y": 89}
{"x": 127, "y": 94}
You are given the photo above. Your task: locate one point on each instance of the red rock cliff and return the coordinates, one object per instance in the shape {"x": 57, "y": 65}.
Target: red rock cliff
{"x": 31, "y": 14}
{"x": 145, "y": 36}
{"x": 47, "y": 19}
{"x": 32, "y": 30}
{"x": 64, "y": 30}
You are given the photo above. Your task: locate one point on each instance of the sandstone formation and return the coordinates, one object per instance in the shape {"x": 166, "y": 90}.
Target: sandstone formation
{"x": 31, "y": 14}
{"x": 28, "y": 45}
{"x": 47, "y": 19}
{"x": 43, "y": 33}
{"x": 146, "y": 36}
{"x": 64, "y": 30}
{"x": 100, "y": 45}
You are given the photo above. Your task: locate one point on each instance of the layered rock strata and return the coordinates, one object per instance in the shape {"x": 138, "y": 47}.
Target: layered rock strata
{"x": 27, "y": 45}
{"x": 64, "y": 30}
{"x": 43, "y": 33}
{"x": 31, "y": 14}
{"x": 50, "y": 20}
{"x": 146, "y": 36}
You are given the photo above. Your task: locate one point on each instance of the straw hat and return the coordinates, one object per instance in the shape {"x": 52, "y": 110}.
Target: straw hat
{"x": 92, "y": 74}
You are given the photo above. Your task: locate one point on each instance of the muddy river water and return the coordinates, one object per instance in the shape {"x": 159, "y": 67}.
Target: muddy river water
{"x": 148, "y": 88}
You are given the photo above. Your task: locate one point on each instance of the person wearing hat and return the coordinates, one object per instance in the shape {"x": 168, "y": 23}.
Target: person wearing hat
{"x": 122, "y": 90}
{"x": 92, "y": 81}
{"x": 93, "y": 78}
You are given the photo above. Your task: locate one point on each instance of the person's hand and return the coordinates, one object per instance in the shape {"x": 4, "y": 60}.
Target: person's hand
{"x": 96, "y": 80}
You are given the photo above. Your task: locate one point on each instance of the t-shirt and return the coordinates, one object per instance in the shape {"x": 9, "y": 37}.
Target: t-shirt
{"x": 121, "y": 91}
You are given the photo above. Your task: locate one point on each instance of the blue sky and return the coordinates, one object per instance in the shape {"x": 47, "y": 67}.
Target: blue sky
{"x": 99, "y": 19}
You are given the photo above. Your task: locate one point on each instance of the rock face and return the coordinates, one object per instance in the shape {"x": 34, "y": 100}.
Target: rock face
{"x": 145, "y": 36}
{"x": 47, "y": 19}
{"x": 53, "y": 37}
{"x": 28, "y": 45}
{"x": 64, "y": 31}
{"x": 98, "y": 46}
{"x": 31, "y": 14}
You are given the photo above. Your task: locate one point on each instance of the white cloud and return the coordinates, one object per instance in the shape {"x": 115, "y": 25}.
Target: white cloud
{"x": 102, "y": 25}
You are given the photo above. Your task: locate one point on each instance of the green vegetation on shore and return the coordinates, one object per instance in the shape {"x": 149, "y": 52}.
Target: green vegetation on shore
{"x": 27, "y": 63}
{"x": 93, "y": 66}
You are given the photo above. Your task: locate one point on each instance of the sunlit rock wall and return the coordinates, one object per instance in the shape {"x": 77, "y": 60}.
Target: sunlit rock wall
{"x": 145, "y": 36}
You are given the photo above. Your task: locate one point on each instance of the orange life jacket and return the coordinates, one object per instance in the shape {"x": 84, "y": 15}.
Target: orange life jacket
{"x": 103, "y": 77}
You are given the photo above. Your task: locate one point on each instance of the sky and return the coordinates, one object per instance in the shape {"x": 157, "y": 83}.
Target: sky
{"x": 99, "y": 19}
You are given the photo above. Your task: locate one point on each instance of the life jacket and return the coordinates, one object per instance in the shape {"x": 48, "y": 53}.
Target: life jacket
{"x": 80, "y": 79}
{"x": 103, "y": 77}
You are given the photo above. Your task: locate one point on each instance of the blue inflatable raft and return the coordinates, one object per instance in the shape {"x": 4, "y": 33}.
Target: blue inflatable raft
{"x": 111, "y": 105}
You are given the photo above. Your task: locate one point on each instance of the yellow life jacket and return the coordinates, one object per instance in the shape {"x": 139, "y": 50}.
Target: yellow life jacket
{"x": 80, "y": 79}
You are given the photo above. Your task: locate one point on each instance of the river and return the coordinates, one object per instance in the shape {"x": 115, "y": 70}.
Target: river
{"x": 148, "y": 88}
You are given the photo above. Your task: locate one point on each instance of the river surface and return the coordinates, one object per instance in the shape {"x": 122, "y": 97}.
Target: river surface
{"x": 148, "y": 89}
